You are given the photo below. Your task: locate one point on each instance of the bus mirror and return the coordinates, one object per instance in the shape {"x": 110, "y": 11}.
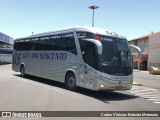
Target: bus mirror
{"x": 137, "y": 49}
{"x": 97, "y": 43}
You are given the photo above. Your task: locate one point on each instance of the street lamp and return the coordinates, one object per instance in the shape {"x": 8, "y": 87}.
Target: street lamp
{"x": 93, "y": 7}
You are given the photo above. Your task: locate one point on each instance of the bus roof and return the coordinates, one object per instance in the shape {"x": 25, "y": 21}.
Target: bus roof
{"x": 78, "y": 28}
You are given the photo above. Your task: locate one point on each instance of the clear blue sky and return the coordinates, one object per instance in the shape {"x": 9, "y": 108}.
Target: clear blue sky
{"x": 131, "y": 18}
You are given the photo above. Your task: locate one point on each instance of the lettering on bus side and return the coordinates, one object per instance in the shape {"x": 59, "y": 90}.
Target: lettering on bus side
{"x": 16, "y": 58}
{"x": 39, "y": 55}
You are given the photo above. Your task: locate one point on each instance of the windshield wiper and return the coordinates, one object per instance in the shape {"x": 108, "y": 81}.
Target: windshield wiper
{"x": 125, "y": 67}
{"x": 121, "y": 63}
{"x": 116, "y": 60}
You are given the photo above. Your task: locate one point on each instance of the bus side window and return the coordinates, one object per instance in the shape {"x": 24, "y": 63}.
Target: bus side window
{"x": 90, "y": 55}
{"x": 88, "y": 51}
{"x": 83, "y": 53}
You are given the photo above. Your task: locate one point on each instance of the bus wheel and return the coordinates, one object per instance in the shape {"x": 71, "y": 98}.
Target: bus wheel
{"x": 22, "y": 70}
{"x": 70, "y": 82}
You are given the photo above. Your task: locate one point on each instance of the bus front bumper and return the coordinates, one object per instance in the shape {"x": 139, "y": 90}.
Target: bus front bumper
{"x": 114, "y": 83}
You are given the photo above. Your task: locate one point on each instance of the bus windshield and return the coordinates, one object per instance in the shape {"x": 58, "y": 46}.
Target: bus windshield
{"x": 116, "y": 57}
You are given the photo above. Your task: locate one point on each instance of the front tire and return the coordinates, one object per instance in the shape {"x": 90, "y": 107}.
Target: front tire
{"x": 70, "y": 82}
{"x": 22, "y": 70}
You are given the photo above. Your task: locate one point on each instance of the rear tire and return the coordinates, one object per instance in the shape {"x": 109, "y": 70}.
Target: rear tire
{"x": 22, "y": 70}
{"x": 70, "y": 82}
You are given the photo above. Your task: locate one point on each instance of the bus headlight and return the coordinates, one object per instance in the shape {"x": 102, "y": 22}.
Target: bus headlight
{"x": 103, "y": 86}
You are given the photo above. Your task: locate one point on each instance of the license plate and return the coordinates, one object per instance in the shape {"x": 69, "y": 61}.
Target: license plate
{"x": 120, "y": 87}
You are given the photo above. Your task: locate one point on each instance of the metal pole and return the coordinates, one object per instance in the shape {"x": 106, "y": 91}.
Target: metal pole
{"x": 93, "y": 19}
{"x": 93, "y": 7}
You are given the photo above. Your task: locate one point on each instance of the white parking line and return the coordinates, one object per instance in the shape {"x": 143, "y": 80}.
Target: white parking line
{"x": 146, "y": 93}
{"x": 150, "y": 97}
{"x": 140, "y": 91}
{"x": 157, "y": 102}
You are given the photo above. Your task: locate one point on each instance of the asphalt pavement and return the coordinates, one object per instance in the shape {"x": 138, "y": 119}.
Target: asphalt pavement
{"x": 146, "y": 79}
{"x": 37, "y": 94}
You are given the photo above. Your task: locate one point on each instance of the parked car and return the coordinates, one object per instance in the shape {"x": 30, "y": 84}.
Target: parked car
{"x": 154, "y": 70}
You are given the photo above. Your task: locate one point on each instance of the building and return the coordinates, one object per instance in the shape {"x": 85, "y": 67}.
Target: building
{"x": 5, "y": 40}
{"x": 150, "y": 46}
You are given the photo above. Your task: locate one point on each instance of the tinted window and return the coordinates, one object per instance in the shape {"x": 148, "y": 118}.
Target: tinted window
{"x": 122, "y": 45}
{"x": 115, "y": 58}
{"x": 84, "y": 35}
{"x": 89, "y": 53}
{"x": 23, "y": 46}
{"x": 5, "y": 51}
{"x": 61, "y": 42}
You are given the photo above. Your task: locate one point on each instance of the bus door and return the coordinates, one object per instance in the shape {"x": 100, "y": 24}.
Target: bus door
{"x": 32, "y": 62}
{"x": 89, "y": 58}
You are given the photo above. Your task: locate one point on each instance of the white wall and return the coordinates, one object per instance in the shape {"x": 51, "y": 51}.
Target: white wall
{"x": 154, "y": 50}
{"x": 143, "y": 44}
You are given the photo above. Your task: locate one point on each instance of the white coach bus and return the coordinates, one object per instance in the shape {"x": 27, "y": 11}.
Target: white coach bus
{"x": 6, "y": 55}
{"x": 82, "y": 56}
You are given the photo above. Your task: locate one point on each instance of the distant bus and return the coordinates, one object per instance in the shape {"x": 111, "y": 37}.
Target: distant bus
{"x": 6, "y": 55}
{"x": 81, "y": 56}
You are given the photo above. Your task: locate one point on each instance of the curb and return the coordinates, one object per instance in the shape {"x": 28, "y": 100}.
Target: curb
{"x": 138, "y": 84}
{"x": 142, "y": 71}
